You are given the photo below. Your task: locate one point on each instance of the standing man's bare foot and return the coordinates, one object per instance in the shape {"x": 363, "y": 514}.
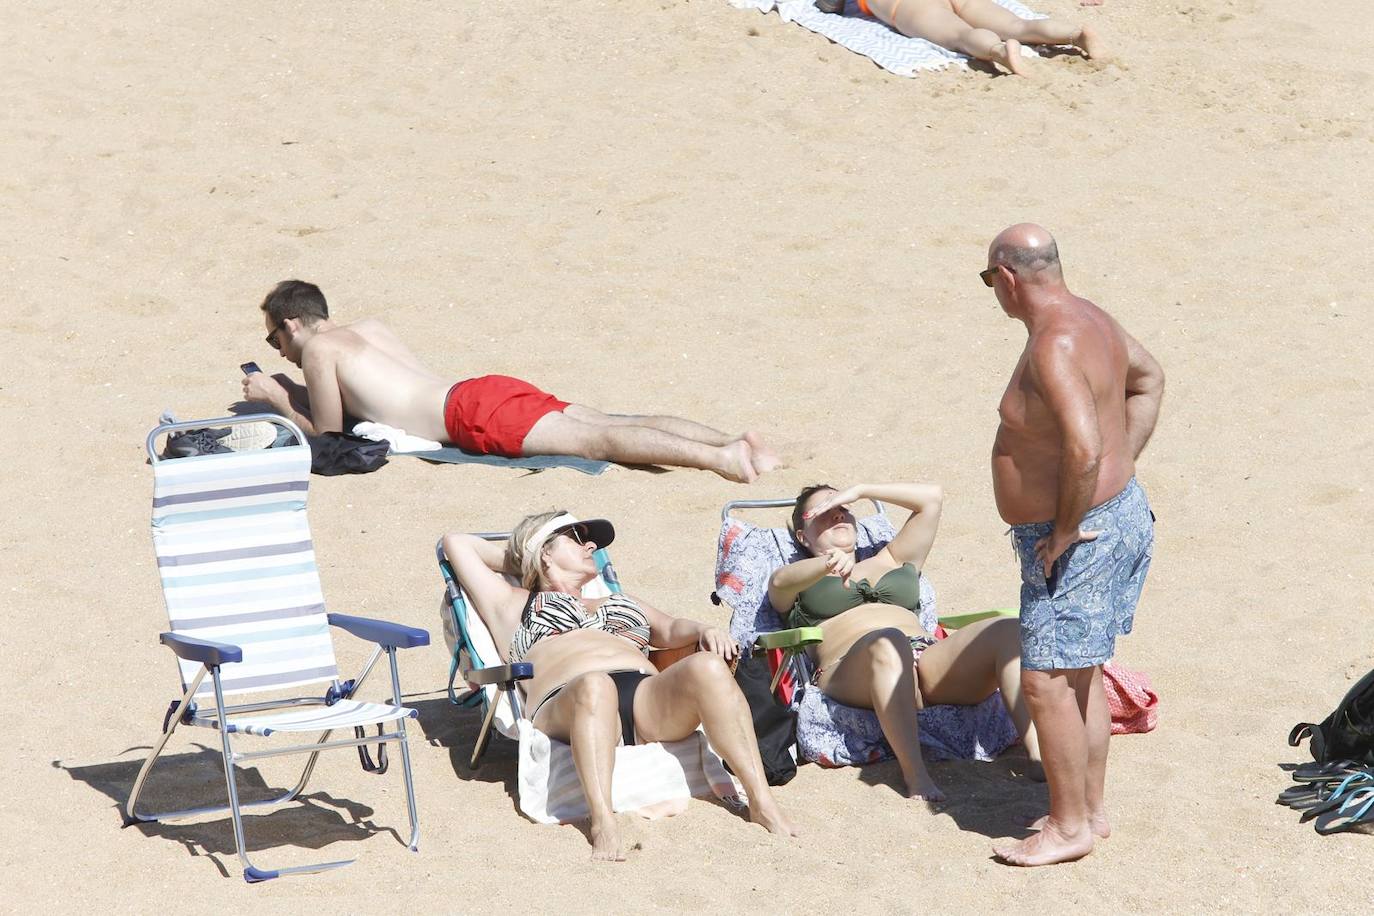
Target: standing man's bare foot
{"x": 738, "y": 464}
{"x": 1098, "y": 823}
{"x": 765, "y": 458}
{"x": 771, "y": 818}
{"x": 606, "y": 846}
{"x": 1090, "y": 43}
{"x": 1048, "y": 847}
{"x": 1008, "y": 54}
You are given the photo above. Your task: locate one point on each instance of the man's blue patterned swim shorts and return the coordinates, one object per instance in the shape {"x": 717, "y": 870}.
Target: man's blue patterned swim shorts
{"x": 1073, "y": 620}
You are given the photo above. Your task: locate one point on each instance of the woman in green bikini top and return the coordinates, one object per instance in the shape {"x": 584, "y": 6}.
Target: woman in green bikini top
{"x": 868, "y": 611}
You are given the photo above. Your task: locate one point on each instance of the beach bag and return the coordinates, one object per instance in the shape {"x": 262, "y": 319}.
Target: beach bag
{"x": 344, "y": 453}
{"x": 1346, "y": 734}
{"x": 774, "y": 724}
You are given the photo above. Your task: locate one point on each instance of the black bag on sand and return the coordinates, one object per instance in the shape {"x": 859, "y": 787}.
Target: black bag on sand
{"x": 774, "y": 724}
{"x": 343, "y": 453}
{"x": 1346, "y": 734}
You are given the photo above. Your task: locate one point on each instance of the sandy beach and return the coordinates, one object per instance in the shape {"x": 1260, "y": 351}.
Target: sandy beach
{"x": 689, "y": 209}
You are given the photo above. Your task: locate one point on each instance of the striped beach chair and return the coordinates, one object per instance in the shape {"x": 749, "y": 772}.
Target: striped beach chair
{"x": 653, "y": 779}
{"x": 243, "y": 597}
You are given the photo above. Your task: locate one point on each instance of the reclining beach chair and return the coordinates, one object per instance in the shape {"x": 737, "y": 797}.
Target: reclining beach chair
{"x": 652, "y": 779}
{"x": 243, "y": 597}
{"x": 828, "y": 732}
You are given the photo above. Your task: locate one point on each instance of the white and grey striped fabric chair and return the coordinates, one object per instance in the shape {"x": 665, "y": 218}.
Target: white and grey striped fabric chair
{"x": 243, "y": 597}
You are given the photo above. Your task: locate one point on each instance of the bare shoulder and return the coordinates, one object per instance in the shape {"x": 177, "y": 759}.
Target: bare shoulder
{"x": 334, "y": 343}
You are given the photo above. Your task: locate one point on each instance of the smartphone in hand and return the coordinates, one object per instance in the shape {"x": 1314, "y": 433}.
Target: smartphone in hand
{"x": 249, "y": 368}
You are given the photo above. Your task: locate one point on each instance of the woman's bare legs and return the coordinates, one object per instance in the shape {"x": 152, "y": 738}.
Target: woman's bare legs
{"x": 981, "y": 28}
{"x": 585, "y": 715}
{"x": 876, "y": 674}
{"x": 700, "y": 691}
{"x": 936, "y": 20}
{"x": 970, "y": 663}
{"x": 988, "y": 15}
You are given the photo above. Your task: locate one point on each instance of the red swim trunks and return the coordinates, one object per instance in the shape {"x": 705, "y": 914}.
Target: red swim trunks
{"x": 492, "y": 414}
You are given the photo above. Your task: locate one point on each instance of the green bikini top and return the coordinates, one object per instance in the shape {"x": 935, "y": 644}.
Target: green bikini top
{"x": 830, "y": 597}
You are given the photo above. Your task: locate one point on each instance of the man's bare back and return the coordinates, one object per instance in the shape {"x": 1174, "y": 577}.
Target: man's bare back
{"x": 381, "y": 380}
{"x": 1027, "y": 451}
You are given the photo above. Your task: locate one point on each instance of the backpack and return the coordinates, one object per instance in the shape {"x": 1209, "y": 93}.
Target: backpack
{"x": 774, "y": 724}
{"x": 1346, "y": 734}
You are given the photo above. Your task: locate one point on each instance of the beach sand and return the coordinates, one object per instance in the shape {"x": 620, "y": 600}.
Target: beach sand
{"x": 689, "y": 209}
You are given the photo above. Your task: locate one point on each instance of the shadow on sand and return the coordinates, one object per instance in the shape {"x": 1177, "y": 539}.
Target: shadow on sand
{"x": 991, "y": 798}
{"x": 196, "y": 778}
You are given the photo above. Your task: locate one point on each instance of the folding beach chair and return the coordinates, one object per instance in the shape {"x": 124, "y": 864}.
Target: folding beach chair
{"x": 828, "y": 732}
{"x": 649, "y": 778}
{"x": 244, "y": 601}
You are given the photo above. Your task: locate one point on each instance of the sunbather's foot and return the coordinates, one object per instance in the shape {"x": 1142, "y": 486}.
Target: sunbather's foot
{"x": 923, "y": 788}
{"x": 739, "y": 462}
{"x": 606, "y": 846}
{"x": 1098, "y": 823}
{"x": 765, "y": 459}
{"x": 1008, "y": 54}
{"x": 1089, "y": 42}
{"x": 771, "y": 818}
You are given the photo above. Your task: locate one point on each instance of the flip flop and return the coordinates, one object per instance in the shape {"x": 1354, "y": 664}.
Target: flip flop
{"x": 1357, "y": 809}
{"x": 1330, "y": 771}
{"x": 1355, "y": 783}
{"x": 1304, "y": 795}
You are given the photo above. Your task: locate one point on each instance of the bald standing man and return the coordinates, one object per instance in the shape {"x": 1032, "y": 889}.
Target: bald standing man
{"x": 1081, "y": 404}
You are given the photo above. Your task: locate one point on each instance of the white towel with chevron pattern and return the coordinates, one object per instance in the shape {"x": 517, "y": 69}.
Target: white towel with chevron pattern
{"x": 891, "y": 50}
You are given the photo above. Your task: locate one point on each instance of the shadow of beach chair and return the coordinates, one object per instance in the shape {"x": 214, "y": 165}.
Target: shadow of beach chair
{"x": 829, "y": 732}
{"x": 653, "y": 779}
{"x": 243, "y": 598}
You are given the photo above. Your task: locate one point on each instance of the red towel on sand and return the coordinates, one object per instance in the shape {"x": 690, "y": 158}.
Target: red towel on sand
{"x": 1134, "y": 705}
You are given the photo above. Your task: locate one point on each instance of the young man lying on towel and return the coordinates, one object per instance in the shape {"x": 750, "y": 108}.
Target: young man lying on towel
{"x": 362, "y": 369}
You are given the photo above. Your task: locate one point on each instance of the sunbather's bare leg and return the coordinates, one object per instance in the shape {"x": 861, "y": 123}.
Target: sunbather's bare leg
{"x": 586, "y": 716}
{"x": 965, "y": 667}
{"x": 988, "y": 15}
{"x": 764, "y": 458}
{"x": 1066, "y": 834}
{"x": 687, "y": 429}
{"x": 936, "y": 20}
{"x": 700, "y": 691}
{"x": 561, "y": 434}
{"x": 876, "y": 674}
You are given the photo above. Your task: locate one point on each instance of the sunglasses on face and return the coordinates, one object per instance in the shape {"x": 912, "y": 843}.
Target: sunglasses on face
{"x": 275, "y": 344}
{"x": 987, "y": 276}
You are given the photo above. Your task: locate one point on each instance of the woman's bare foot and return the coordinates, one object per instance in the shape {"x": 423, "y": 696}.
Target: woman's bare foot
{"x": 771, "y": 818}
{"x": 1089, "y": 42}
{"x": 606, "y": 845}
{"x": 738, "y": 463}
{"x": 924, "y": 788}
{"x": 765, "y": 459}
{"x": 1048, "y": 847}
{"x": 1008, "y": 54}
{"x": 1098, "y": 823}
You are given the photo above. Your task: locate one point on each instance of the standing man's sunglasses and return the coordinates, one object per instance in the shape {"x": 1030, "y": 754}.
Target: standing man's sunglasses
{"x": 990, "y": 274}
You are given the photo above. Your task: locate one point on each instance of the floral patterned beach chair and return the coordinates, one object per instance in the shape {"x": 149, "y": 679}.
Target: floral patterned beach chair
{"x": 828, "y": 732}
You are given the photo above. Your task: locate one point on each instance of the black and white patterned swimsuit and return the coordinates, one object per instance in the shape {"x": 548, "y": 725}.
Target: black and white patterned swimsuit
{"x": 552, "y": 613}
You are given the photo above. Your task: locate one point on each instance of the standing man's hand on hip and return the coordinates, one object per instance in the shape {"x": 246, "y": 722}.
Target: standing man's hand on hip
{"x": 1052, "y": 546}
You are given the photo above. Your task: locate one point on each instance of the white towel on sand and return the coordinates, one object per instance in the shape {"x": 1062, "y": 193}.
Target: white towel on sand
{"x": 401, "y": 442}
{"x": 891, "y": 50}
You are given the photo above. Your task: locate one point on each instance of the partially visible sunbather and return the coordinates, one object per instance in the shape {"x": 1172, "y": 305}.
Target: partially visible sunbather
{"x": 363, "y": 370}
{"x": 978, "y": 28}
{"x": 875, "y": 654}
{"x": 593, "y": 685}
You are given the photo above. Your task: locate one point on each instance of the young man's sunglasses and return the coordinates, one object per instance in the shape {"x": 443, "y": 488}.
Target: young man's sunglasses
{"x": 276, "y": 345}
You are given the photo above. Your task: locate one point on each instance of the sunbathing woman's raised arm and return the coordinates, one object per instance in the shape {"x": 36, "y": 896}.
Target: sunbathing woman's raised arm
{"x": 479, "y": 565}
